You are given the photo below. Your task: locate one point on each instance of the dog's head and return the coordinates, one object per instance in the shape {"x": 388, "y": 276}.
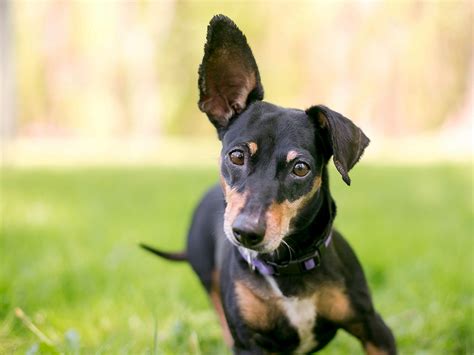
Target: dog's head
{"x": 272, "y": 158}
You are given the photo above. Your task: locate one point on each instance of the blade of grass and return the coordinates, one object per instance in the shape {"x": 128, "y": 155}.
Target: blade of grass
{"x": 33, "y": 328}
{"x": 155, "y": 335}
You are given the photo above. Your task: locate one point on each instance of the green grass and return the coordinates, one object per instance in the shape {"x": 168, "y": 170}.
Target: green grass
{"x": 69, "y": 258}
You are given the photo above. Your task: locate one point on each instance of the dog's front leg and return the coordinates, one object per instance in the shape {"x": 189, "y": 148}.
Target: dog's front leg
{"x": 375, "y": 336}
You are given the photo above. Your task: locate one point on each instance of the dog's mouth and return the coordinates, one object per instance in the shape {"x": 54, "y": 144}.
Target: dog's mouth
{"x": 267, "y": 251}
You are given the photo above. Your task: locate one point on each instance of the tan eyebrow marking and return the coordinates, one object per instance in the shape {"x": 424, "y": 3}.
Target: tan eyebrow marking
{"x": 253, "y": 147}
{"x": 292, "y": 154}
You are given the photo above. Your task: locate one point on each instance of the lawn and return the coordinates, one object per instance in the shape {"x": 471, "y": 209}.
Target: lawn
{"x": 69, "y": 258}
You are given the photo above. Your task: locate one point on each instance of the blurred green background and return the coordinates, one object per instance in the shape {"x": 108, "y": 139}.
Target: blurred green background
{"x": 70, "y": 258}
{"x": 103, "y": 147}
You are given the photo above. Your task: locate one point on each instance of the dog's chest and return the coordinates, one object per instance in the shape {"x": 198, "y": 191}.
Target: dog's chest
{"x": 301, "y": 314}
{"x": 288, "y": 323}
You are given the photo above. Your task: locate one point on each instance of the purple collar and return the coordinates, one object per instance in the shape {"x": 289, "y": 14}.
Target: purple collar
{"x": 300, "y": 265}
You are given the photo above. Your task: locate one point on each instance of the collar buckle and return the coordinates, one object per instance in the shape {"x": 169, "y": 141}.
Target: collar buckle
{"x": 298, "y": 266}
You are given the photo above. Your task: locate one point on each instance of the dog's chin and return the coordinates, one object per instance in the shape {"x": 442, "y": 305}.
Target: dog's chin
{"x": 262, "y": 248}
{"x": 267, "y": 248}
{"x": 259, "y": 249}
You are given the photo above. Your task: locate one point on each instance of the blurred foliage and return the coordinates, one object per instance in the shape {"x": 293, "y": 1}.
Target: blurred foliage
{"x": 73, "y": 265}
{"x": 130, "y": 68}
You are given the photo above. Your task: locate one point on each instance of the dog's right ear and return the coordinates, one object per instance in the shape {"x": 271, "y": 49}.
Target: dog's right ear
{"x": 228, "y": 75}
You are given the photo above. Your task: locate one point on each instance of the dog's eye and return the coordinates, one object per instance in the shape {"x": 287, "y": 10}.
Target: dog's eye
{"x": 237, "y": 157}
{"x": 301, "y": 169}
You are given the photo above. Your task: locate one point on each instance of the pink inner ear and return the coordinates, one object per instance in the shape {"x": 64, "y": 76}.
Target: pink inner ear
{"x": 217, "y": 108}
{"x": 228, "y": 73}
{"x": 237, "y": 107}
{"x": 227, "y": 94}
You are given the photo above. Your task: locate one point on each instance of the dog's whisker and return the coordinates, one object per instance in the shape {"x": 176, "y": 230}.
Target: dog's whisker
{"x": 289, "y": 248}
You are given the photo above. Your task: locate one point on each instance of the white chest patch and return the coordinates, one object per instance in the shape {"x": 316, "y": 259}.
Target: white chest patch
{"x": 302, "y": 315}
{"x": 301, "y": 312}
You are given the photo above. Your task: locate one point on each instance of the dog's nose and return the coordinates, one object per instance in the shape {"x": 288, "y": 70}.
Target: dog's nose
{"x": 248, "y": 231}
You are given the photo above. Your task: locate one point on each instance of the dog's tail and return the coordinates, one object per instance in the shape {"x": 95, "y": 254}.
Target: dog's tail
{"x": 166, "y": 255}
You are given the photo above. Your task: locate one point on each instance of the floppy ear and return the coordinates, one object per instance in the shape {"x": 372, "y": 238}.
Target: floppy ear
{"x": 345, "y": 139}
{"x": 228, "y": 75}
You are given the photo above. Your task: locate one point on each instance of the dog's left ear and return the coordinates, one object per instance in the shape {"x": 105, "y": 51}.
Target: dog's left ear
{"x": 228, "y": 75}
{"x": 345, "y": 139}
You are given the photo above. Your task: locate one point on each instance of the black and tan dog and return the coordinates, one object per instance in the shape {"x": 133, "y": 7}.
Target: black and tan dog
{"x": 263, "y": 244}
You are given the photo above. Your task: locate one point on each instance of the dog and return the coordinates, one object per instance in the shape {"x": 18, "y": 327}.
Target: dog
{"x": 281, "y": 278}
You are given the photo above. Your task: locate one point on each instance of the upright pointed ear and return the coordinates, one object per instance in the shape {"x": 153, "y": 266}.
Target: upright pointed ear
{"x": 346, "y": 141}
{"x": 228, "y": 75}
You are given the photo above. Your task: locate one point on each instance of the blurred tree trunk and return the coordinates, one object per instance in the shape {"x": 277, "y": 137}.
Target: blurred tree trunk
{"x": 7, "y": 120}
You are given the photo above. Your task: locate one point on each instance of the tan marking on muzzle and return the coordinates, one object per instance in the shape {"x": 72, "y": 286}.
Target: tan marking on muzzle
{"x": 235, "y": 202}
{"x": 279, "y": 216}
{"x": 224, "y": 185}
{"x": 253, "y": 147}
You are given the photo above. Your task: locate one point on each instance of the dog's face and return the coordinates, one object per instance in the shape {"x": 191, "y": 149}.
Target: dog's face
{"x": 270, "y": 171}
{"x": 272, "y": 158}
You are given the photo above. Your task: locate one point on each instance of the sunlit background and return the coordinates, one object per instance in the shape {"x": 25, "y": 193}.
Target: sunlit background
{"x": 112, "y": 79}
{"x": 103, "y": 146}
